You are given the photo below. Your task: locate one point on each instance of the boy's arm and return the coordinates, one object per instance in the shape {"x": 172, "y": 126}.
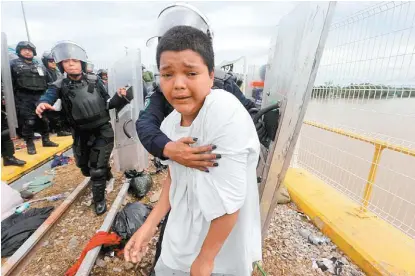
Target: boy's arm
{"x": 222, "y": 192}
{"x": 137, "y": 245}
{"x": 162, "y": 206}
{"x": 219, "y": 231}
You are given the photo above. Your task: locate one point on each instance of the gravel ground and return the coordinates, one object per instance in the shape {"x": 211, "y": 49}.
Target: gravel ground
{"x": 285, "y": 251}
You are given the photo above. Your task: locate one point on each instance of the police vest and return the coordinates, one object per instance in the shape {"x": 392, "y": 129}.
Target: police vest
{"x": 84, "y": 104}
{"x": 29, "y": 76}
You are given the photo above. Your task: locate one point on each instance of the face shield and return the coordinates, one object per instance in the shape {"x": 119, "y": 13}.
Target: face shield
{"x": 68, "y": 50}
{"x": 89, "y": 67}
{"x": 179, "y": 15}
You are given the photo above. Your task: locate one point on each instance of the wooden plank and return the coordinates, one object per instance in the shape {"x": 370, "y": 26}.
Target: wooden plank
{"x": 91, "y": 256}
{"x": 16, "y": 263}
{"x": 301, "y": 38}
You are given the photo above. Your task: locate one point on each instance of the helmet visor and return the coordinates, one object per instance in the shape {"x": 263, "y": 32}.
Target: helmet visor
{"x": 177, "y": 16}
{"x": 64, "y": 51}
{"x": 27, "y": 44}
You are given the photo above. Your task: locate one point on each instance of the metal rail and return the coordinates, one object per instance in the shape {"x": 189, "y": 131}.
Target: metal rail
{"x": 91, "y": 256}
{"x": 18, "y": 261}
{"x": 380, "y": 145}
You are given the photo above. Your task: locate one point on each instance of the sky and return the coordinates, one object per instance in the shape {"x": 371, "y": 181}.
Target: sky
{"x": 104, "y": 29}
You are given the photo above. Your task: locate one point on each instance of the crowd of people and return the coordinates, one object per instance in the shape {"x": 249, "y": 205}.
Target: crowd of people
{"x": 205, "y": 136}
{"x": 30, "y": 80}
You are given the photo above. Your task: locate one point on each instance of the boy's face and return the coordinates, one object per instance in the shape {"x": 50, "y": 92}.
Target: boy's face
{"x": 185, "y": 80}
{"x": 72, "y": 66}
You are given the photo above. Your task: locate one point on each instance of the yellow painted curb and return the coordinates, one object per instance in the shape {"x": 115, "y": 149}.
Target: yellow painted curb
{"x": 12, "y": 173}
{"x": 376, "y": 246}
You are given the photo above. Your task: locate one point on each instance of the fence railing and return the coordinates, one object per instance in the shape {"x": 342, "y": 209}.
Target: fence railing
{"x": 379, "y": 147}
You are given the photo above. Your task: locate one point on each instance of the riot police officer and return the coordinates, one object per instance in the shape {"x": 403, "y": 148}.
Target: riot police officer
{"x": 90, "y": 68}
{"x": 52, "y": 72}
{"x": 57, "y": 120}
{"x": 103, "y": 75}
{"x": 7, "y": 146}
{"x": 29, "y": 83}
{"x": 157, "y": 107}
{"x": 86, "y": 103}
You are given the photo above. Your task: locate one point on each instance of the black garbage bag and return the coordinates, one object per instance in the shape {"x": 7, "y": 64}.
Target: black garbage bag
{"x": 129, "y": 219}
{"x": 158, "y": 165}
{"x": 140, "y": 183}
{"x": 17, "y": 228}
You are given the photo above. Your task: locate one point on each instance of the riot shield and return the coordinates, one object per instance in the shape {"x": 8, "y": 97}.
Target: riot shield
{"x": 7, "y": 87}
{"x": 289, "y": 81}
{"x": 129, "y": 154}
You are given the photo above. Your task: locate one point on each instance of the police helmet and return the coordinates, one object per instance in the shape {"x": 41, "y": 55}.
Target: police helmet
{"x": 101, "y": 72}
{"x": 66, "y": 49}
{"x": 180, "y": 14}
{"x": 25, "y": 45}
{"x": 46, "y": 57}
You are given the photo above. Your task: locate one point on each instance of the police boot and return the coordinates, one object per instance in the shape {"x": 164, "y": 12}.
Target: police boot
{"x": 109, "y": 175}
{"x": 30, "y": 145}
{"x": 13, "y": 161}
{"x": 98, "y": 195}
{"x": 63, "y": 133}
{"x": 48, "y": 143}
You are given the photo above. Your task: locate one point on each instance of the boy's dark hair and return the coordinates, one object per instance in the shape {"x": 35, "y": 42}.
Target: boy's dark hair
{"x": 181, "y": 38}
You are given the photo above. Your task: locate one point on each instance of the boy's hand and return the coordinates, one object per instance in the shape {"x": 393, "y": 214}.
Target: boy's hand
{"x": 201, "y": 267}
{"x": 42, "y": 107}
{"x": 198, "y": 158}
{"x": 136, "y": 247}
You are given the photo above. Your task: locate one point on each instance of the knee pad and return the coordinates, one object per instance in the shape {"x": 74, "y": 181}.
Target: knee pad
{"x": 97, "y": 174}
{"x": 85, "y": 171}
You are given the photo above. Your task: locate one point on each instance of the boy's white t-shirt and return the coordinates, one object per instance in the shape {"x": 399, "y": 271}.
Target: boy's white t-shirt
{"x": 198, "y": 197}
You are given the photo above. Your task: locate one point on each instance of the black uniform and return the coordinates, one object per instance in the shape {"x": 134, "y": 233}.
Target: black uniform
{"x": 29, "y": 83}
{"x": 57, "y": 120}
{"x": 157, "y": 108}
{"x": 7, "y": 146}
{"x": 86, "y": 104}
